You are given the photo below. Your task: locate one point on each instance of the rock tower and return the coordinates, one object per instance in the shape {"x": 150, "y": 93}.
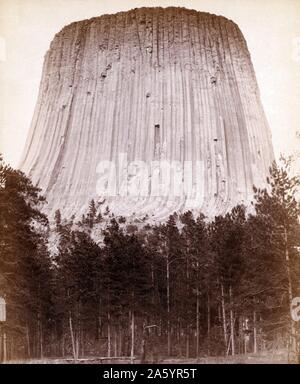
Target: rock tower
{"x": 149, "y": 86}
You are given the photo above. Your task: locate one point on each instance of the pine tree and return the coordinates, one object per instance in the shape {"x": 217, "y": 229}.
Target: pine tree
{"x": 228, "y": 246}
{"x": 277, "y": 215}
{"x": 25, "y": 267}
{"x": 92, "y": 213}
{"x": 128, "y": 279}
{"x": 79, "y": 268}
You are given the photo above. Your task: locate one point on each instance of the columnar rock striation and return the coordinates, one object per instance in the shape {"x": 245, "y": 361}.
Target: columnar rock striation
{"x": 159, "y": 85}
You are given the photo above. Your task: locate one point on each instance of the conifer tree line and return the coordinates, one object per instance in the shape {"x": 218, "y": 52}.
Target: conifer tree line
{"x": 189, "y": 287}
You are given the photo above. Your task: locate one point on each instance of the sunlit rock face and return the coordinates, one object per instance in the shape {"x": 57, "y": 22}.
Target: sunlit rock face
{"x": 142, "y": 93}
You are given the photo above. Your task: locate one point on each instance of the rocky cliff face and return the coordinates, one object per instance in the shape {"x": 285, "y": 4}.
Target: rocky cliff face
{"x": 150, "y": 86}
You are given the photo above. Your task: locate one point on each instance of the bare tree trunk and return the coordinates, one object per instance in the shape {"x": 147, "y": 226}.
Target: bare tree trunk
{"x": 228, "y": 346}
{"x": 187, "y": 345}
{"x": 254, "y": 333}
{"x": 11, "y": 356}
{"x": 143, "y": 349}
{"x": 290, "y": 291}
{"x": 108, "y": 335}
{"x": 197, "y": 321}
{"x": 208, "y": 322}
{"x": 231, "y": 322}
{"x": 81, "y": 343}
{"x": 120, "y": 340}
{"x": 42, "y": 342}
{"x": 179, "y": 339}
{"x": 77, "y": 338}
{"x": 4, "y": 348}
{"x": 63, "y": 345}
{"x": 246, "y": 341}
{"x": 72, "y": 337}
{"x": 187, "y": 275}
{"x": 132, "y": 336}
{"x": 224, "y": 316}
{"x": 116, "y": 341}
{"x": 99, "y": 322}
{"x": 168, "y": 307}
{"x": 78, "y": 333}
{"x": 241, "y": 336}
{"x": 40, "y": 331}
{"x": 28, "y": 341}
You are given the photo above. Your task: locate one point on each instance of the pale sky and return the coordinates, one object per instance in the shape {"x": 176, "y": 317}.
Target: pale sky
{"x": 271, "y": 29}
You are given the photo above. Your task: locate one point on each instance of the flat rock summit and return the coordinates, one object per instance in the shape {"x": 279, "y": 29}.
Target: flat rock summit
{"x": 149, "y": 111}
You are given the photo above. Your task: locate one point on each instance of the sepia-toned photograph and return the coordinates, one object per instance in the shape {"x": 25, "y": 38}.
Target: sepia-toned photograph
{"x": 149, "y": 184}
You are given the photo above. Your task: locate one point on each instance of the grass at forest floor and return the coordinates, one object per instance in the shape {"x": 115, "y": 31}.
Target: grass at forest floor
{"x": 269, "y": 357}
